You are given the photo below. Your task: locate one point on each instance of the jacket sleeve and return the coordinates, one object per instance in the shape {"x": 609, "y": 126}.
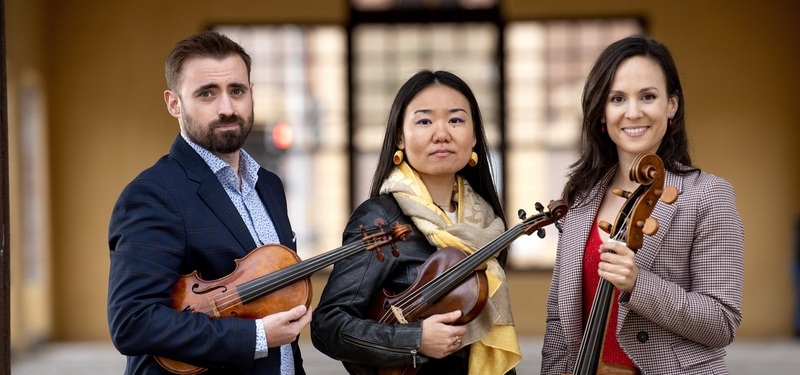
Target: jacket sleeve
{"x": 341, "y": 326}
{"x": 148, "y": 246}
{"x": 702, "y": 299}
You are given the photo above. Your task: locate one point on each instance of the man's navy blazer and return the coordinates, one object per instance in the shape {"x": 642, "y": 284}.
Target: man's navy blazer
{"x": 172, "y": 219}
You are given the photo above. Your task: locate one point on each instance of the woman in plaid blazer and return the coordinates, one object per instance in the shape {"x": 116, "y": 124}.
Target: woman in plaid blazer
{"x": 678, "y": 300}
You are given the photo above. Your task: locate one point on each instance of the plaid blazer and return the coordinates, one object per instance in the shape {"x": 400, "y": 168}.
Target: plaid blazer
{"x": 172, "y": 219}
{"x": 687, "y": 302}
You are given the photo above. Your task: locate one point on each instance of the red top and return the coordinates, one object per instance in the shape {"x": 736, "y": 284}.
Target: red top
{"x": 612, "y": 353}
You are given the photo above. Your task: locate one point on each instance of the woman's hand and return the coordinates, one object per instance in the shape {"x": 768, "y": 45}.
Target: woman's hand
{"x": 439, "y": 338}
{"x": 618, "y": 265}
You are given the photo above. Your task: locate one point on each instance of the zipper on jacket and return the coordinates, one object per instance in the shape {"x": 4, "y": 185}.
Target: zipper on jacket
{"x": 373, "y": 345}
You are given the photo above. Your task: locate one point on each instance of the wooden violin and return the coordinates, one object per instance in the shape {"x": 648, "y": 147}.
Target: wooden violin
{"x": 268, "y": 280}
{"x": 632, "y": 222}
{"x": 451, "y": 279}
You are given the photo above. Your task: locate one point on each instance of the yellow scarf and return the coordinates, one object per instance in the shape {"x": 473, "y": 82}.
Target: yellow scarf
{"x": 494, "y": 346}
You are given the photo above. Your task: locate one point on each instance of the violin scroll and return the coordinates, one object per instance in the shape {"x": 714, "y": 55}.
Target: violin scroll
{"x": 555, "y": 210}
{"x": 374, "y": 241}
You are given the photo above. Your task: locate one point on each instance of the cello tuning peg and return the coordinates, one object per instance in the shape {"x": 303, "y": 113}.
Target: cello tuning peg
{"x": 605, "y": 226}
{"x": 539, "y": 208}
{"x": 558, "y": 226}
{"x": 621, "y": 193}
{"x": 649, "y": 227}
{"x": 669, "y": 195}
{"x": 540, "y": 232}
{"x": 521, "y": 214}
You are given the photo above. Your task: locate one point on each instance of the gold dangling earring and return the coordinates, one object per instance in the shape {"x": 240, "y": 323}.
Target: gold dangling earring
{"x": 473, "y": 159}
{"x": 398, "y": 157}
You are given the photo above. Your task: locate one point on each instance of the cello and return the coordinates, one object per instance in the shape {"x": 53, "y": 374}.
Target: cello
{"x": 267, "y": 280}
{"x": 453, "y": 280}
{"x": 631, "y": 224}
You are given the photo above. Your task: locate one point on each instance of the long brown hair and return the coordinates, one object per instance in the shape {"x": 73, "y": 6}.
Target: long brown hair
{"x": 598, "y": 151}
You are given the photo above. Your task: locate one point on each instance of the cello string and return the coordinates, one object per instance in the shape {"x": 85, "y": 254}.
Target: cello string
{"x": 603, "y": 290}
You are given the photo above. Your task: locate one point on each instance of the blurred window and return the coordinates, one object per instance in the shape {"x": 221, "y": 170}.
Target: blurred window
{"x": 527, "y": 76}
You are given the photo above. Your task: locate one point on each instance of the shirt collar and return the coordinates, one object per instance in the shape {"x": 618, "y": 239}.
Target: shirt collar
{"x": 248, "y": 167}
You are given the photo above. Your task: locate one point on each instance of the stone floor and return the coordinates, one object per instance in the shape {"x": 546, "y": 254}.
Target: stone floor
{"x": 90, "y": 358}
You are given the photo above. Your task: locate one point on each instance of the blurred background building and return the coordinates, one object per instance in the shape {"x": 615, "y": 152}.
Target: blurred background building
{"x": 86, "y": 115}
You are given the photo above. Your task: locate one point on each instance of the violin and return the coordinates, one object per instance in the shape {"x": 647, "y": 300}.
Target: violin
{"x": 268, "y": 280}
{"x": 633, "y": 221}
{"x": 451, "y": 279}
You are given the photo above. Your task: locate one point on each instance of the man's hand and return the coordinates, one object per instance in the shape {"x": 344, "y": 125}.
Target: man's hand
{"x": 283, "y": 327}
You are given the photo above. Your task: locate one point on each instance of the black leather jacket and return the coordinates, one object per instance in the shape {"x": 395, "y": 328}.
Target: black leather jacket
{"x": 340, "y": 327}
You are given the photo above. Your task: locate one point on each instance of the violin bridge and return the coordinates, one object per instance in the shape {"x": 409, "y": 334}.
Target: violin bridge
{"x": 214, "y": 309}
{"x": 398, "y": 314}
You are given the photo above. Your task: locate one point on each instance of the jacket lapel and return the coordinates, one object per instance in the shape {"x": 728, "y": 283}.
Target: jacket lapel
{"x": 211, "y": 192}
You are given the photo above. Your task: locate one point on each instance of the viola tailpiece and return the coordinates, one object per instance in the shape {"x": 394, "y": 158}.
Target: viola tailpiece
{"x": 268, "y": 280}
{"x": 632, "y": 222}
{"x": 451, "y": 279}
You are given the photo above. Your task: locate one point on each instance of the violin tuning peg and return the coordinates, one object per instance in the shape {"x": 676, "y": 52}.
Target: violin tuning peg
{"x": 395, "y": 251}
{"x": 379, "y": 255}
{"x": 605, "y": 226}
{"x": 540, "y": 232}
{"x": 649, "y": 227}
{"x": 539, "y": 208}
{"x": 669, "y": 195}
{"x": 558, "y": 226}
{"x": 521, "y": 214}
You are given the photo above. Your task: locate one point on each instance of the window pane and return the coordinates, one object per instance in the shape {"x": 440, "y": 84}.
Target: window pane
{"x": 385, "y": 56}
{"x": 546, "y": 66}
{"x": 382, "y": 5}
{"x": 300, "y": 131}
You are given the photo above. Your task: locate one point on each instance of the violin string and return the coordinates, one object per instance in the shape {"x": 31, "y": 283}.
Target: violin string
{"x": 231, "y": 298}
{"x": 278, "y": 279}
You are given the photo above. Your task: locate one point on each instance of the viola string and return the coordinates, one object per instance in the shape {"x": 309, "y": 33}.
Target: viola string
{"x": 450, "y": 277}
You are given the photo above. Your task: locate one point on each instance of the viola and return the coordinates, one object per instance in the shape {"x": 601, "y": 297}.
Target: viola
{"x": 268, "y": 280}
{"x": 632, "y": 222}
{"x": 451, "y": 279}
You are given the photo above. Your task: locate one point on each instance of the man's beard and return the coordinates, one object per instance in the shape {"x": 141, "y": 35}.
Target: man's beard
{"x": 225, "y": 142}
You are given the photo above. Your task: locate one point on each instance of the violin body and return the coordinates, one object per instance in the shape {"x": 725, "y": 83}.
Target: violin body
{"x": 469, "y": 295}
{"x": 220, "y": 298}
{"x": 193, "y": 293}
{"x": 268, "y": 280}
